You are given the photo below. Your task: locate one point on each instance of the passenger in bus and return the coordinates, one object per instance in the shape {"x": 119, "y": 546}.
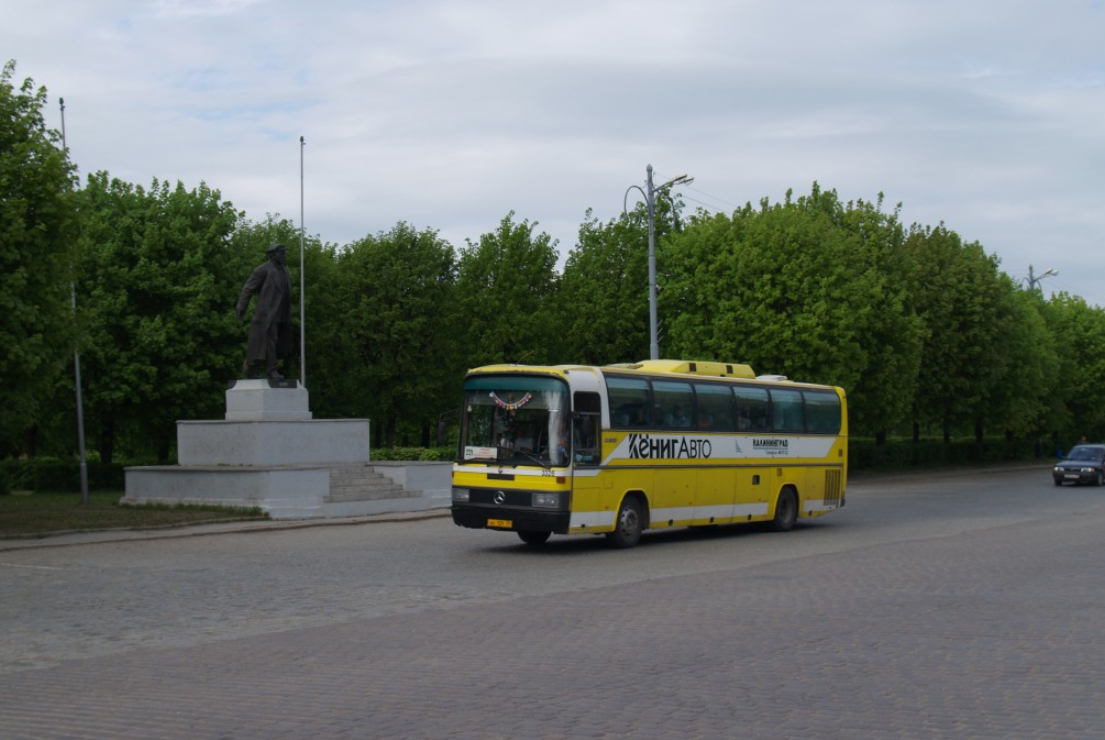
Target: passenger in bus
{"x": 680, "y": 420}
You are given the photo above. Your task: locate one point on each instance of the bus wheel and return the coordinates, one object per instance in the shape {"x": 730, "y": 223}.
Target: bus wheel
{"x": 786, "y": 511}
{"x": 531, "y": 537}
{"x": 627, "y": 527}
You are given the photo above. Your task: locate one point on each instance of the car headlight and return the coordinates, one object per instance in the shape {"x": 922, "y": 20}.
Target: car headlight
{"x": 546, "y": 500}
{"x": 460, "y": 495}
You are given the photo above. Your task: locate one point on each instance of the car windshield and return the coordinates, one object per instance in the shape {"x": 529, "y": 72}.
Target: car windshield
{"x": 515, "y": 420}
{"x": 1086, "y": 454}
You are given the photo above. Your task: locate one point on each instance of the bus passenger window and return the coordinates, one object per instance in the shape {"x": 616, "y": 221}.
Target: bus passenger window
{"x": 715, "y": 407}
{"x": 629, "y": 402}
{"x": 786, "y": 405}
{"x": 753, "y": 408}
{"x": 674, "y": 403}
{"x": 822, "y": 412}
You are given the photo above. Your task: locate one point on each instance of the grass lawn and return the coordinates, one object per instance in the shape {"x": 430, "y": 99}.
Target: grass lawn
{"x": 43, "y": 513}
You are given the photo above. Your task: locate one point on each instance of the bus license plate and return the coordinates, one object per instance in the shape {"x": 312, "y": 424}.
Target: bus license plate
{"x": 500, "y": 523}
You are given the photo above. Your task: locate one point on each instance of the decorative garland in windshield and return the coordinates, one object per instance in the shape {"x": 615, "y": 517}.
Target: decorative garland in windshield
{"x": 511, "y": 405}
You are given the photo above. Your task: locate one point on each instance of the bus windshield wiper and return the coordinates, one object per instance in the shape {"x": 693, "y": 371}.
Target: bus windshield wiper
{"x": 535, "y": 458}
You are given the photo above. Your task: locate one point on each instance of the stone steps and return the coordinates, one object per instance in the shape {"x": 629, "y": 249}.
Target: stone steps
{"x": 349, "y": 483}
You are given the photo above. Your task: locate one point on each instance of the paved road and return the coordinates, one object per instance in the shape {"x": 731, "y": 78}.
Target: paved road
{"x": 930, "y": 607}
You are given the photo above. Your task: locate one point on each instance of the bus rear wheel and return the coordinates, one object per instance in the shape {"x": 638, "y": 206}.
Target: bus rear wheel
{"x": 786, "y": 511}
{"x": 530, "y": 537}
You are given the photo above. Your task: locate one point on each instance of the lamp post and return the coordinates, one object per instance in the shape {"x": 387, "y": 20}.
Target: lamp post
{"x": 76, "y": 346}
{"x": 1034, "y": 280}
{"x": 650, "y": 201}
{"x": 302, "y": 283}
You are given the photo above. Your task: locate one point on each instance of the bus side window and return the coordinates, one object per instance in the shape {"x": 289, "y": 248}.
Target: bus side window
{"x": 715, "y": 407}
{"x": 674, "y": 404}
{"x": 788, "y": 413}
{"x": 822, "y": 412}
{"x": 753, "y": 408}
{"x": 629, "y": 402}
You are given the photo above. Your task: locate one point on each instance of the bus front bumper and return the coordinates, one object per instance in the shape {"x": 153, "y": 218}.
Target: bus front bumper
{"x": 510, "y": 519}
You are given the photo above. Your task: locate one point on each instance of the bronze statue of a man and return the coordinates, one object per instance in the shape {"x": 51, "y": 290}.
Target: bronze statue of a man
{"x": 270, "y": 335}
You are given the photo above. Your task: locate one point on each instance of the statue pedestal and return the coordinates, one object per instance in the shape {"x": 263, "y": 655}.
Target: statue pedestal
{"x": 259, "y": 400}
{"x": 269, "y": 453}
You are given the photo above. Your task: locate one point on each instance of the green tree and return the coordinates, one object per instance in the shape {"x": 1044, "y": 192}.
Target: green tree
{"x": 391, "y": 335}
{"x": 892, "y": 334}
{"x": 602, "y": 305}
{"x": 158, "y": 280}
{"x": 957, "y": 291}
{"x": 1078, "y": 398}
{"x": 37, "y": 233}
{"x": 507, "y": 284}
{"x": 810, "y": 289}
{"x": 1019, "y": 397}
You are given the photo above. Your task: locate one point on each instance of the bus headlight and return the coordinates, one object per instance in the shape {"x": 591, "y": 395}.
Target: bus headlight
{"x": 460, "y": 495}
{"x": 546, "y": 500}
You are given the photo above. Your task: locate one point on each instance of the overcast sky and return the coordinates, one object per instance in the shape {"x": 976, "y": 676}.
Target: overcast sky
{"x": 987, "y": 116}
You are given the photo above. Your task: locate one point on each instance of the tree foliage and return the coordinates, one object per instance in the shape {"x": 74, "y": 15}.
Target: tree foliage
{"x": 159, "y": 279}
{"x": 808, "y": 288}
{"x": 37, "y": 230}
{"x": 602, "y": 305}
{"x": 1078, "y": 397}
{"x": 390, "y": 341}
{"x": 505, "y": 290}
{"x": 922, "y": 328}
{"x": 1026, "y": 366}
{"x": 957, "y": 293}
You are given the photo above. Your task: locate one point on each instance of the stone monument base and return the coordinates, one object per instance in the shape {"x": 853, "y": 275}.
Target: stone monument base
{"x": 270, "y": 454}
{"x": 295, "y": 492}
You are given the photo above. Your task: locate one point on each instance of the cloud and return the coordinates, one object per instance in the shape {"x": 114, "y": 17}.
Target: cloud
{"x": 449, "y": 115}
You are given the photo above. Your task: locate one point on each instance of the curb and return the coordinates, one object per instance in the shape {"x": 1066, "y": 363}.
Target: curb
{"x": 105, "y": 536}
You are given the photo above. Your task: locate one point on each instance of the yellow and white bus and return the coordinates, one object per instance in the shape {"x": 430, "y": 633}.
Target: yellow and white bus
{"x": 620, "y": 449}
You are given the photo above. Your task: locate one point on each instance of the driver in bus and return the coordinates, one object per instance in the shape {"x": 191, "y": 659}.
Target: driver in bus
{"x": 561, "y": 447}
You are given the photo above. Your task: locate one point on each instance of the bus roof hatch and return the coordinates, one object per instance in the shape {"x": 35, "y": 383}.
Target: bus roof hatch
{"x": 692, "y": 367}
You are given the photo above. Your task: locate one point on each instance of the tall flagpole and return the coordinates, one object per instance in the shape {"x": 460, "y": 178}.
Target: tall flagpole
{"x": 302, "y": 263}
{"x": 76, "y": 346}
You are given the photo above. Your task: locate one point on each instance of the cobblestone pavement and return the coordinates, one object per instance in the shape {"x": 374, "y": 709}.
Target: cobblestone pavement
{"x": 979, "y": 618}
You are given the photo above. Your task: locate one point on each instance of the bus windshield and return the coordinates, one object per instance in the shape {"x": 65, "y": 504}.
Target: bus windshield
{"x": 514, "y": 420}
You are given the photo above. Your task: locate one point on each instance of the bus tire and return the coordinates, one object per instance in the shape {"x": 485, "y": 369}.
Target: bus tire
{"x": 531, "y": 537}
{"x": 786, "y": 511}
{"x": 628, "y": 525}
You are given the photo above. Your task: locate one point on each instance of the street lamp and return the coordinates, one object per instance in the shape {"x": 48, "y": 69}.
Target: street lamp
{"x": 650, "y": 201}
{"x": 1033, "y": 280}
{"x": 76, "y": 346}
{"x": 302, "y": 283}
